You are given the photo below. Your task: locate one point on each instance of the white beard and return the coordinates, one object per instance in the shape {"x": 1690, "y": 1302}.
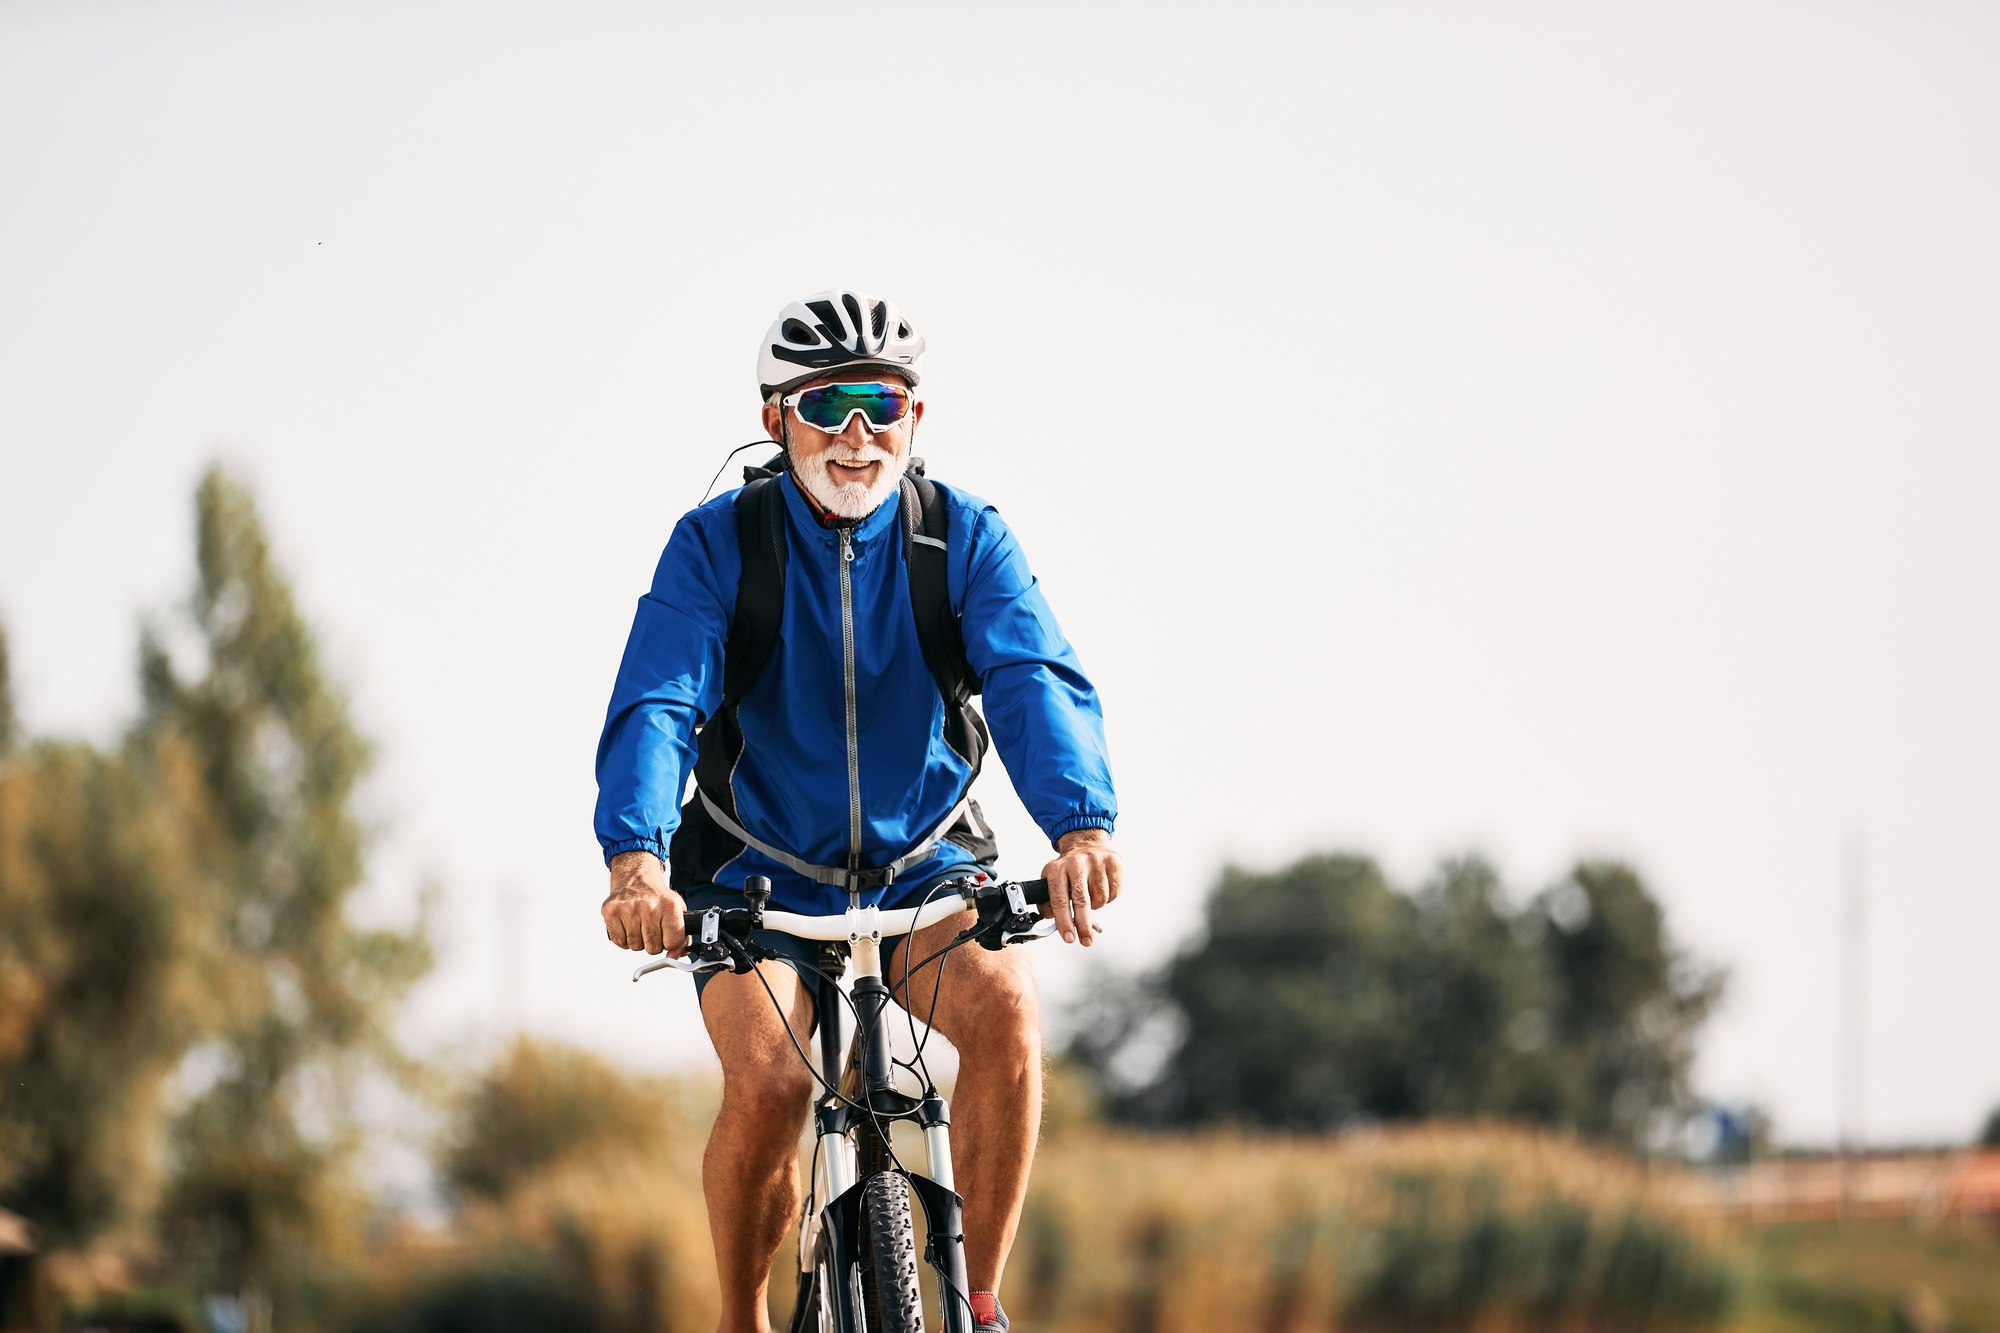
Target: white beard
{"x": 850, "y": 499}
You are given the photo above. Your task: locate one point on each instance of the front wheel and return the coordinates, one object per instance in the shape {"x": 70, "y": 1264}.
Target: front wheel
{"x": 813, "y": 1310}
{"x": 892, "y": 1254}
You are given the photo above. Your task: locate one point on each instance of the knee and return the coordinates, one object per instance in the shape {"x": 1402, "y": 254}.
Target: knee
{"x": 767, "y": 1088}
{"x": 1002, "y": 1023}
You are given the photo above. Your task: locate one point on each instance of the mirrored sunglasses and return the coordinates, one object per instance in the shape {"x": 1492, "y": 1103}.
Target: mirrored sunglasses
{"x": 831, "y": 406}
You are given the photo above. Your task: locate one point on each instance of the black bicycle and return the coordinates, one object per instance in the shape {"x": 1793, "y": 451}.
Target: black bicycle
{"x": 858, "y": 1257}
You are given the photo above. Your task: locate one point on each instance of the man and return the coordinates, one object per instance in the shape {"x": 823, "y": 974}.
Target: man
{"x": 844, "y": 766}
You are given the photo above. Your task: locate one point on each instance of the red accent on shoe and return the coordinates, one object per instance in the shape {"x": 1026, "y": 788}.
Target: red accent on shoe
{"x": 985, "y": 1307}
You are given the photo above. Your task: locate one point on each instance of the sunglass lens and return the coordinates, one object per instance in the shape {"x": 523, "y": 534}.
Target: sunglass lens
{"x": 828, "y": 408}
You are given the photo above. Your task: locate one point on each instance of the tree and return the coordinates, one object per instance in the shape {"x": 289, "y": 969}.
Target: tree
{"x": 262, "y": 1154}
{"x": 1291, "y": 1004}
{"x": 1473, "y": 1000}
{"x": 178, "y": 905}
{"x": 1989, "y": 1134}
{"x": 105, "y": 938}
{"x": 9, "y": 725}
{"x": 1319, "y": 995}
{"x": 1628, "y": 1001}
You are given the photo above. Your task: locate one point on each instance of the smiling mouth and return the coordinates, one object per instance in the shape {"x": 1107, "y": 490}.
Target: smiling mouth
{"x": 854, "y": 468}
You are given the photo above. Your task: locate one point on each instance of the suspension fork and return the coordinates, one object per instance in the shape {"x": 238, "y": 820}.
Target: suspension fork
{"x": 836, "y": 1149}
{"x": 870, "y": 1074}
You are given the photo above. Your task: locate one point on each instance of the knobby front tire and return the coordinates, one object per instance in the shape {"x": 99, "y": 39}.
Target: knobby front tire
{"x": 892, "y": 1254}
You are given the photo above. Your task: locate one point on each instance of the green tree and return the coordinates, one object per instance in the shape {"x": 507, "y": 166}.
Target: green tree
{"x": 1474, "y": 1001}
{"x": 262, "y": 1155}
{"x": 1319, "y": 994}
{"x": 174, "y": 918}
{"x": 105, "y": 939}
{"x": 1291, "y": 1005}
{"x": 1629, "y": 1002}
{"x": 9, "y": 724}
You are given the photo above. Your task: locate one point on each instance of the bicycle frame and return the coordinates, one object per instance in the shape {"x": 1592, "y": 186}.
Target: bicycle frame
{"x": 852, "y": 1122}
{"x": 852, "y": 1145}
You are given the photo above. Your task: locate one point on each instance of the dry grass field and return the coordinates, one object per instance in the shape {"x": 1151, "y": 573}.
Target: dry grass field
{"x": 1485, "y": 1229}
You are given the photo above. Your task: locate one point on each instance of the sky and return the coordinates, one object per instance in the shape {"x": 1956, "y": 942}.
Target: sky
{"x": 1547, "y": 430}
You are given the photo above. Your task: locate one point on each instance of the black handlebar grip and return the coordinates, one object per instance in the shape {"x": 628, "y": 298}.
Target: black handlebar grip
{"x": 1035, "y": 891}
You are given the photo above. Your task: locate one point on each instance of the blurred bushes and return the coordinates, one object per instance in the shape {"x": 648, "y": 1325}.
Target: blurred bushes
{"x": 1432, "y": 1228}
{"x": 588, "y": 1215}
{"x": 1866, "y": 1275}
{"x": 543, "y": 1102}
{"x": 580, "y": 1207}
{"x": 1320, "y": 996}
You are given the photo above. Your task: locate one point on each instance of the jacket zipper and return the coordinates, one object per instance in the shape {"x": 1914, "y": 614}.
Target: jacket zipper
{"x": 853, "y": 727}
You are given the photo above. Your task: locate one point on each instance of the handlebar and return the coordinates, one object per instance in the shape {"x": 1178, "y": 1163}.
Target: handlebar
{"x": 719, "y": 938}
{"x": 901, "y": 921}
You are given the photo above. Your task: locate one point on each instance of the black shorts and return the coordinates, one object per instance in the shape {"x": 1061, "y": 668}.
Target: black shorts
{"x": 830, "y": 957}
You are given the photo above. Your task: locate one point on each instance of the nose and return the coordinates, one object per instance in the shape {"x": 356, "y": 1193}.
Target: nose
{"x": 855, "y": 433}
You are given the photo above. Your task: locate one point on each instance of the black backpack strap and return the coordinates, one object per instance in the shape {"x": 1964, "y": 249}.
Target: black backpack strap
{"x": 760, "y": 594}
{"x": 701, "y": 846}
{"x": 925, "y": 536}
{"x": 926, "y": 532}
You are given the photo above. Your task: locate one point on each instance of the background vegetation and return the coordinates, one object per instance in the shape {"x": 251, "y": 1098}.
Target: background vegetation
{"x": 1319, "y": 996}
{"x": 186, "y": 1005}
{"x": 190, "y": 1015}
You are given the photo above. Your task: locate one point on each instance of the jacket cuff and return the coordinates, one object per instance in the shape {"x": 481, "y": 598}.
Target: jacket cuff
{"x": 1075, "y": 822}
{"x": 652, "y": 845}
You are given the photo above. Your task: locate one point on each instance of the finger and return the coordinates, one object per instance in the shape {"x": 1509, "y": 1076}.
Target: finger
{"x": 1114, "y": 875}
{"x": 1080, "y": 905}
{"x": 675, "y": 934}
{"x": 1100, "y": 883}
{"x": 651, "y": 926}
{"x": 1059, "y": 906}
{"x": 614, "y": 925}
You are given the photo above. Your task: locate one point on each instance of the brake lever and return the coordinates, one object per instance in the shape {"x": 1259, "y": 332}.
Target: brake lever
{"x": 1043, "y": 928}
{"x": 1008, "y": 919}
{"x": 687, "y": 963}
{"x": 715, "y": 949}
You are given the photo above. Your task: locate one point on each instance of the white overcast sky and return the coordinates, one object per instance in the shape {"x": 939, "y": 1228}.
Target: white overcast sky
{"x": 1546, "y": 429}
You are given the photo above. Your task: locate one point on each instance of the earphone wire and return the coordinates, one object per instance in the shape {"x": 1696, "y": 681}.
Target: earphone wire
{"x": 725, "y": 464}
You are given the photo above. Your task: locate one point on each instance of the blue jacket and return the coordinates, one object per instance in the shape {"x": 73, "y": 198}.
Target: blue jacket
{"x": 791, "y": 786}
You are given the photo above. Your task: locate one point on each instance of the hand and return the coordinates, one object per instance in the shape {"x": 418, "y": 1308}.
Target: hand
{"x": 641, "y": 912}
{"x": 1084, "y": 876}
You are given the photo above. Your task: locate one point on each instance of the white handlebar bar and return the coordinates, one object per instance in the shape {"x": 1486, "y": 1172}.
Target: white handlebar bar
{"x": 856, "y": 923}
{"x": 862, "y": 922}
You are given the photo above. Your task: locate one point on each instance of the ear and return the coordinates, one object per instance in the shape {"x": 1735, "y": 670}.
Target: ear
{"x": 774, "y": 419}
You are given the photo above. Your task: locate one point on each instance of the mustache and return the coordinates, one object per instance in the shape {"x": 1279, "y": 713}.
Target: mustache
{"x": 866, "y": 454}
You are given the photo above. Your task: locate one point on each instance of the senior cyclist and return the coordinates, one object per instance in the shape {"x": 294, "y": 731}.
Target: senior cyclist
{"x": 842, "y": 767}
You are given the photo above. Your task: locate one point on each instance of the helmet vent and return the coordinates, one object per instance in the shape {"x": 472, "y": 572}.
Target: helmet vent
{"x": 880, "y": 319}
{"x": 902, "y": 330}
{"x": 797, "y": 331}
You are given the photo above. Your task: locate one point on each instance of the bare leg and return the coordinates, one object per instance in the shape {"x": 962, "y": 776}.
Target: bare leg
{"x": 987, "y": 1010}
{"x": 750, "y": 1172}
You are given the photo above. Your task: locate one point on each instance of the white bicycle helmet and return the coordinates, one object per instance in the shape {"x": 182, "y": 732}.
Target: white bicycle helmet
{"x": 831, "y": 331}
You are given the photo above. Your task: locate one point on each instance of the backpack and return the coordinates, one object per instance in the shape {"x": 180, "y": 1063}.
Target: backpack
{"x": 709, "y": 834}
